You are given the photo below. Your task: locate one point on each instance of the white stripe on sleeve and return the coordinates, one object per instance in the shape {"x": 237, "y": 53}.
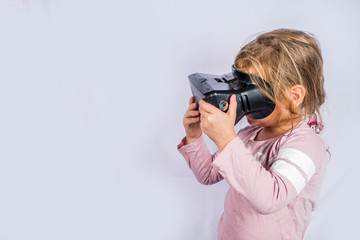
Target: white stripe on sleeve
{"x": 291, "y": 173}
{"x": 300, "y": 159}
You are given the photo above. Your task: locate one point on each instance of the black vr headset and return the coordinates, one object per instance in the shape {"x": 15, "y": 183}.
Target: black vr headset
{"x": 217, "y": 90}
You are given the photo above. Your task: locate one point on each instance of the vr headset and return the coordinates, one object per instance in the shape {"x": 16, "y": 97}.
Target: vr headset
{"x": 217, "y": 90}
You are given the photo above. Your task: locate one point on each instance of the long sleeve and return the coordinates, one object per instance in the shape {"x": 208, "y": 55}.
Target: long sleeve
{"x": 199, "y": 160}
{"x": 267, "y": 191}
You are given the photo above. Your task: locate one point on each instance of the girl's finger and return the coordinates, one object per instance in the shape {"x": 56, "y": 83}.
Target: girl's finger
{"x": 192, "y": 106}
{"x": 204, "y": 115}
{"x": 204, "y": 110}
{"x": 192, "y": 113}
{"x": 191, "y": 100}
{"x": 194, "y": 120}
{"x": 207, "y": 107}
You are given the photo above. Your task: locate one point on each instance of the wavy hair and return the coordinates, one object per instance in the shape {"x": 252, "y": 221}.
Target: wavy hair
{"x": 284, "y": 58}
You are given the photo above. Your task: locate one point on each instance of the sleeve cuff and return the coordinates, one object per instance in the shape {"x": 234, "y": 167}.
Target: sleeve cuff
{"x": 182, "y": 146}
{"x": 189, "y": 151}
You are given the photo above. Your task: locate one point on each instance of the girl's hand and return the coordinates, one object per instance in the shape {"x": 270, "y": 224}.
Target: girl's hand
{"x": 219, "y": 126}
{"x": 191, "y": 122}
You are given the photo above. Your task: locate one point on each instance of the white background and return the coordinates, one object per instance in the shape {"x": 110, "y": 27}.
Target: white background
{"x": 92, "y": 95}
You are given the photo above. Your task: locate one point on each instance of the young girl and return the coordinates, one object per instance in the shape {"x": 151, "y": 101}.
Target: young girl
{"x": 275, "y": 165}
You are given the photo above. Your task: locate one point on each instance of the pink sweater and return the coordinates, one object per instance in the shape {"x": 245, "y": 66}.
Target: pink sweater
{"x": 274, "y": 184}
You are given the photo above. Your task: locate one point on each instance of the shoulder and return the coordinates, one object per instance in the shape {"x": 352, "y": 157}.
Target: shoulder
{"x": 303, "y": 142}
{"x": 304, "y": 136}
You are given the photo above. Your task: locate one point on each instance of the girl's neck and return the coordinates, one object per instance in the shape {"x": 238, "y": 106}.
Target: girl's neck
{"x": 273, "y": 131}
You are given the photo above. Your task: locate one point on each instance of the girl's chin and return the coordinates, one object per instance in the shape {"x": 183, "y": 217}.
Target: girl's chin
{"x": 254, "y": 122}
{"x": 250, "y": 120}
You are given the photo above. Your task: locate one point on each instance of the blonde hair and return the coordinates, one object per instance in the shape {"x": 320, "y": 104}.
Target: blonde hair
{"x": 284, "y": 58}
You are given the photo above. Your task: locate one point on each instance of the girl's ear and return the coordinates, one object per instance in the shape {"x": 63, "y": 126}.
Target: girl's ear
{"x": 297, "y": 94}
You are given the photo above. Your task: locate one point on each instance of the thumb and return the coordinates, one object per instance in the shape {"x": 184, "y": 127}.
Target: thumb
{"x": 232, "y": 106}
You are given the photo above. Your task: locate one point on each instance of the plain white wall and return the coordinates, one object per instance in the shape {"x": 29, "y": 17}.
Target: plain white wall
{"x": 92, "y": 95}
